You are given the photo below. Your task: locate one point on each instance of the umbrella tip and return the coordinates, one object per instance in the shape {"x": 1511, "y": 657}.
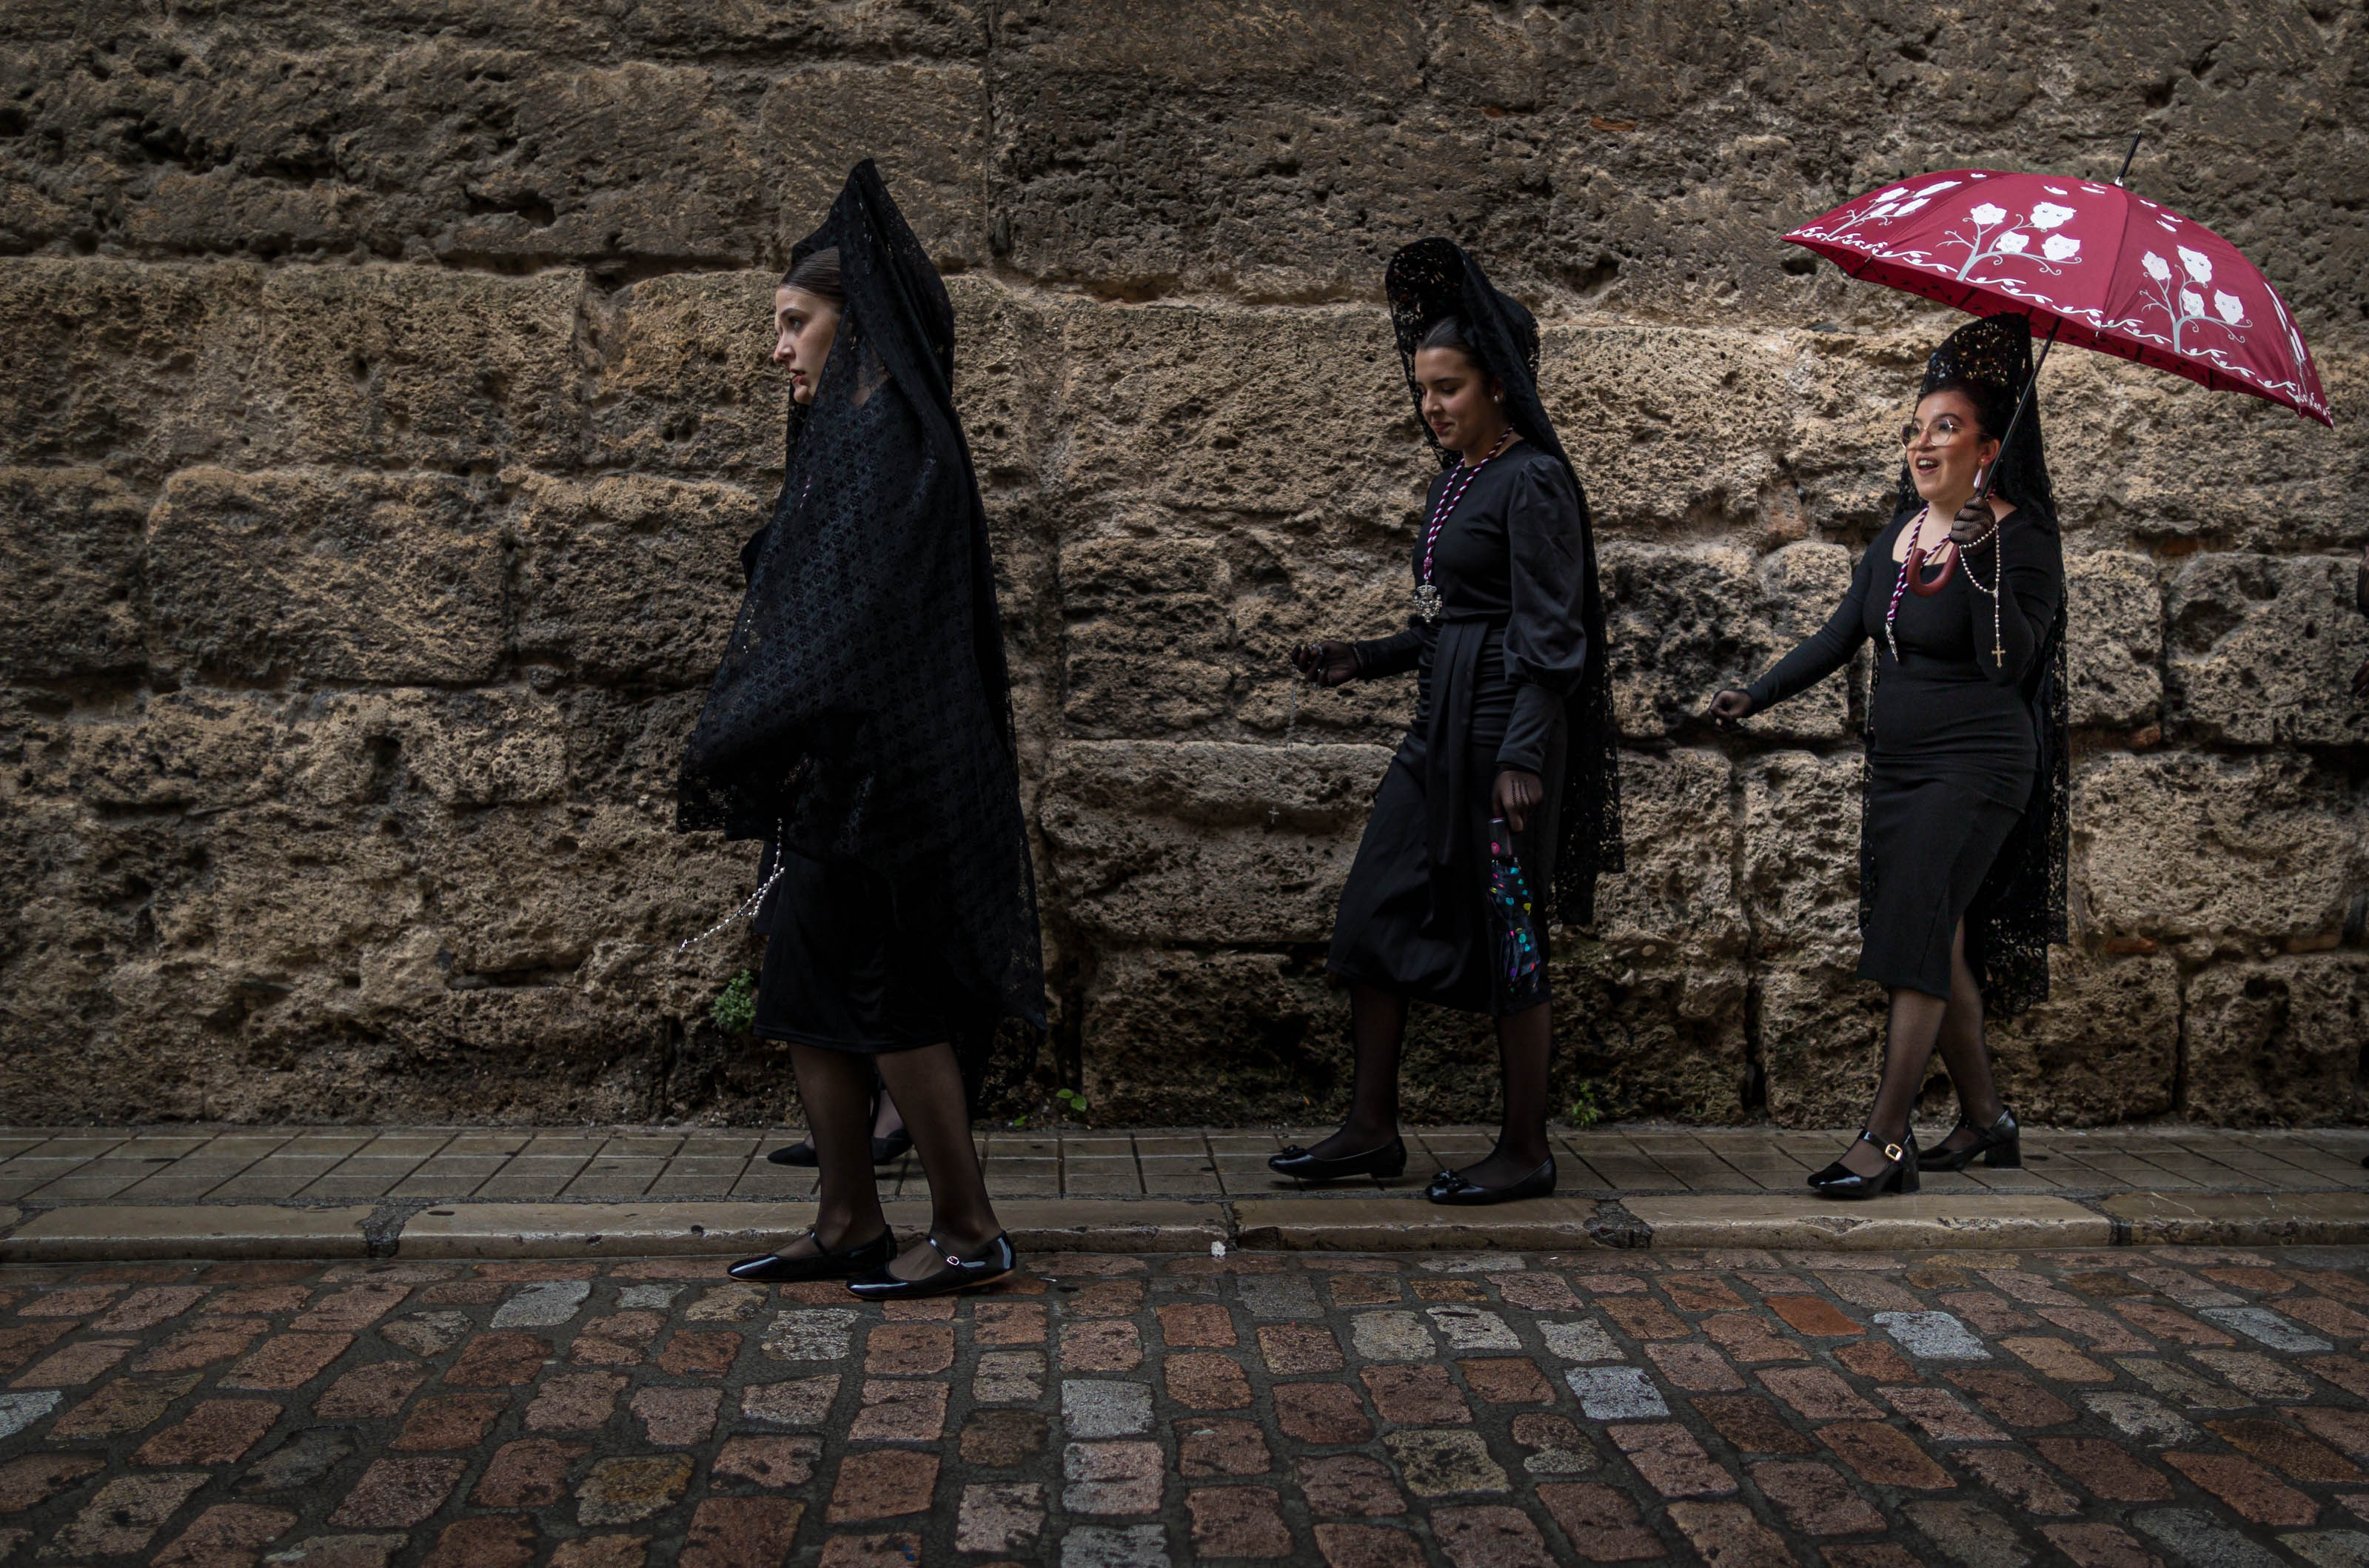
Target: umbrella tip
{"x": 2129, "y": 155}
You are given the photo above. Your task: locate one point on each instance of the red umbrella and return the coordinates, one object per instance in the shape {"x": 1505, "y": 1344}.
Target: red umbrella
{"x": 2094, "y": 264}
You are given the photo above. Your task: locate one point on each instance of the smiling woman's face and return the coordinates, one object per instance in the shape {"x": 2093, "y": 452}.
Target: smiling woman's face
{"x": 1458, "y": 401}
{"x": 1946, "y": 446}
{"x": 804, "y": 327}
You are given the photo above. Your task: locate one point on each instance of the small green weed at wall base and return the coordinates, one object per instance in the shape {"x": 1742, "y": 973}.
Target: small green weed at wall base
{"x": 1584, "y": 1111}
{"x": 735, "y": 1010}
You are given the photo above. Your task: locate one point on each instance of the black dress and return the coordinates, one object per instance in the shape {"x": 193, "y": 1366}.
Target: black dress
{"x": 1416, "y": 916}
{"x": 1953, "y": 737}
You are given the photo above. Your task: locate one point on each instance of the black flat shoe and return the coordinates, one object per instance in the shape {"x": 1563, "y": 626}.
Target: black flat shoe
{"x": 885, "y": 1151}
{"x": 1999, "y": 1144}
{"x": 774, "y": 1269}
{"x": 1450, "y": 1187}
{"x": 1388, "y": 1161}
{"x": 957, "y": 1274}
{"x": 1898, "y": 1175}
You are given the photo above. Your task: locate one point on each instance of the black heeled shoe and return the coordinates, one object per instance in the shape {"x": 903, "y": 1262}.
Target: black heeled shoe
{"x": 1999, "y": 1144}
{"x": 1451, "y": 1187}
{"x": 959, "y": 1274}
{"x": 772, "y": 1268}
{"x": 1898, "y": 1175}
{"x": 1388, "y": 1161}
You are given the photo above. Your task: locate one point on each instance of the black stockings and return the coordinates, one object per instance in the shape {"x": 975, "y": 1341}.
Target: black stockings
{"x": 1377, "y": 1030}
{"x": 927, "y": 1086}
{"x": 1918, "y": 1023}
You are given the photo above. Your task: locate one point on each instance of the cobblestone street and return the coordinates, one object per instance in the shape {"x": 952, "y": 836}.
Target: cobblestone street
{"x": 1495, "y": 1411}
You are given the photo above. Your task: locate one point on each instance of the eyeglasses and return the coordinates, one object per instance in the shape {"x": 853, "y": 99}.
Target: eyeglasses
{"x": 1945, "y": 429}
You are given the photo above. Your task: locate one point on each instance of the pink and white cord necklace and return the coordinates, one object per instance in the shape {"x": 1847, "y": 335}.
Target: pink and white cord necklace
{"x": 1428, "y": 599}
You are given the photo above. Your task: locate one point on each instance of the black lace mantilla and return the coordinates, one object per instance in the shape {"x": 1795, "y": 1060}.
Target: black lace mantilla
{"x": 2020, "y": 910}
{"x": 1433, "y": 279}
{"x": 862, "y": 708}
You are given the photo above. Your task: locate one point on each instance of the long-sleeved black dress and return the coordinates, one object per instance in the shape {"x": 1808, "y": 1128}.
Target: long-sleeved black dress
{"x": 1492, "y": 673}
{"x": 1953, "y": 739}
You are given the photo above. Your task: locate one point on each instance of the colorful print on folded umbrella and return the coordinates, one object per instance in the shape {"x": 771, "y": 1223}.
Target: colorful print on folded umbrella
{"x": 1513, "y": 925}
{"x": 2097, "y": 265}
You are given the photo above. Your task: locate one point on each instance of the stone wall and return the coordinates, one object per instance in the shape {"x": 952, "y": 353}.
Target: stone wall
{"x": 383, "y": 396}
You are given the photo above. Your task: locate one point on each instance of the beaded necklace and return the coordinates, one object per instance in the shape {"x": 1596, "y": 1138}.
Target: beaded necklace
{"x": 1426, "y": 593}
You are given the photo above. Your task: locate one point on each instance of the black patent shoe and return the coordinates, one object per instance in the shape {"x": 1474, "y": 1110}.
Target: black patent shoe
{"x": 1898, "y": 1175}
{"x": 772, "y": 1268}
{"x": 1450, "y": 1187}
{"x": 801, "y": 1154}
{"x": 1999, "y": 1144}
{"x": 1388, "y": 1161}
{"x": 956, "y": 1273}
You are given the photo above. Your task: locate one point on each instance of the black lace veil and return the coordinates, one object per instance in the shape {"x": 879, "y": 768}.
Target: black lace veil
{"x": 1427, "y": 280}
{"x": 2020, "y": 909}
{"x": 862, "y": 708}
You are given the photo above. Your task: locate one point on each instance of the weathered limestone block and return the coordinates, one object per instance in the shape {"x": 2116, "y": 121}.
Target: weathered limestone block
{"x": 685, "y": 382}
{"x": 1684, "y": 624}
{"x": 1801, "y": 858}
{"x": 1150, "y": 645}
{"x": 1225, "y": 1037}
{"x": 1178, "y": 407}
{"x": 1681, "y": 836}
{"x": 2177, "y": 844}
{"x": 1670, "y": 429}
{"x": 1006, "y": 377}
{"x": 1162, "y": 844}
{"x": 1821, "y": 1041}
{"x": 2263, "y": 650}
{"x": 754, "y": 29}
{"x": 1653, "y": 1035}
{"x": 1800, "y": 585}
{"x": 2103, "y": 1047}
{"x": 2114, "y": 639}
{"x": 195, "y": 749}
{"x": 382, "y": 579}
{"x": 404, "y": 367}
{"x": 1231, "y": 144}
{"x": 2278, "y": 1043}
{"x": 135, "y": 369}
{"x": 630, "y": 579}
{"x": 69, "y": 573}
{"x": 1287, "y": 594}
{"x": 1852, "y": 391}
{"x": 429, "y": 149}
{"x": 821, "y": 120}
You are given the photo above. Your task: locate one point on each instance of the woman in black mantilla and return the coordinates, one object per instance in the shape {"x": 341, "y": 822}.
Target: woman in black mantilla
{"x": 861, "y": 726}
{"x": 1964, "y": 826}
{"x": 1505, "y": 786}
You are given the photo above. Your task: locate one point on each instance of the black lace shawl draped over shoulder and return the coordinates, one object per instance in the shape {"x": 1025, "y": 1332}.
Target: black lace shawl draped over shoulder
{"x": 1434, "y": 278}
{"x": 2020, "y": 909}
{"x": 863, "y": 709}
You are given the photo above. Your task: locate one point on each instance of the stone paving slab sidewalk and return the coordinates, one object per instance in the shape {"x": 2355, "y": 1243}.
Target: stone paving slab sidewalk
{"x": 459, "y": 1192}
{"x": 2102, "y": 1407}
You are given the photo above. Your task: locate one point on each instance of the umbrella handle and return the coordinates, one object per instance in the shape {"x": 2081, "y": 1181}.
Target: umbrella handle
{"x": 1920, "y": 585}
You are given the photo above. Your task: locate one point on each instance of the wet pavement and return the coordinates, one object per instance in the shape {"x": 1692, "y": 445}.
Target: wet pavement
{"x": 2123, "y": 1406}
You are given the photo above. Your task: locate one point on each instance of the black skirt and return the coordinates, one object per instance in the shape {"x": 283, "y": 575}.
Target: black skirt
{"x": 1947, "y": 779}
{"x": 1426, "y": 931}
{"x": 837, "y": 973}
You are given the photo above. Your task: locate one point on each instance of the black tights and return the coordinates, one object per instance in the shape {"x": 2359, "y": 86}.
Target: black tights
{"x": 1918, "y": 1023}
{"x": 836, "y": 1087}
{"x": 1377, "y": 1030}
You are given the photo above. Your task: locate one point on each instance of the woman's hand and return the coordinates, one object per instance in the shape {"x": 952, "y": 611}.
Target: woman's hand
{"x": 1731, "y": 708}
{"x": 1973, "y": 525}
{"x": 1516, "y": 796}
{"x": 1328, "y": 663}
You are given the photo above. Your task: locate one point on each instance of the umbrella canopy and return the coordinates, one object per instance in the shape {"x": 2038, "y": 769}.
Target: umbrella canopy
{"x": 2095, "y": 265}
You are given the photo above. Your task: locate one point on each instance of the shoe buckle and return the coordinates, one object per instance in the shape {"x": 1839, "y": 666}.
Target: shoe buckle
{"x": 1894, "y": 1154}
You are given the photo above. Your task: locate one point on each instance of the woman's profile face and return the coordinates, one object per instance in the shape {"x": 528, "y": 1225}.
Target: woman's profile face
{"x": 1457, "y": 401}
{"x": 804, "y": 326}
{"x": 1946, "y": 446}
